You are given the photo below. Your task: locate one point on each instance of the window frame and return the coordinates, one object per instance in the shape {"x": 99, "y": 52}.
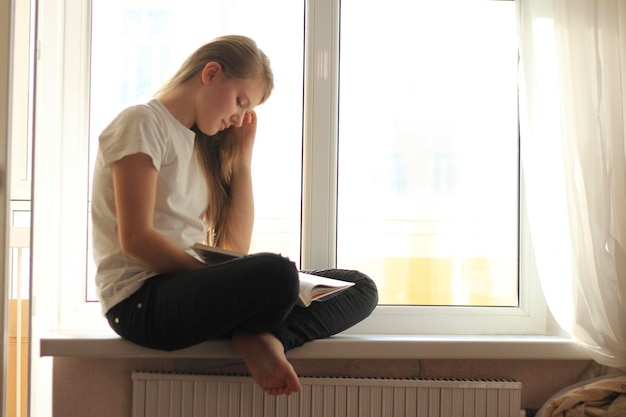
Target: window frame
{"x": 319, "y": 211}
{"x": 62, "y": 109}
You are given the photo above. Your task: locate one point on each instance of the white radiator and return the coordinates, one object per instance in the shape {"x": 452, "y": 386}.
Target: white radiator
{"x": 186, "y": 395}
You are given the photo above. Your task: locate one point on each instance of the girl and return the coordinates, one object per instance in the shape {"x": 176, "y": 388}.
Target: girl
{"x": 168, "y": 171}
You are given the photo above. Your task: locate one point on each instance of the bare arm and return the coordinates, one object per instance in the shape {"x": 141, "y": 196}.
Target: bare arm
{"x": 240, "y": 218}
{"x": 135, "y": 182}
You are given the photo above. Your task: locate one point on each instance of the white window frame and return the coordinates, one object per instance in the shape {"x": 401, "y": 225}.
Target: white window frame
{"x": 60, "y": 191}
{"x": 60, "y": 234}
{"x": 319, "y": 209}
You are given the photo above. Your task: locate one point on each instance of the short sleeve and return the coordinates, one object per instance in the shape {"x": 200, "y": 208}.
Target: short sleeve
{"x": 135, "y": 130}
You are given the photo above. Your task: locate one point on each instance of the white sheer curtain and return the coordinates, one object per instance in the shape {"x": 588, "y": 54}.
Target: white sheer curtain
{"x": 573, "y": 108}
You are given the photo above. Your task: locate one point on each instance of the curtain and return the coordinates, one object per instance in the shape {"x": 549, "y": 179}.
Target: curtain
{"x": 572, "y": 113}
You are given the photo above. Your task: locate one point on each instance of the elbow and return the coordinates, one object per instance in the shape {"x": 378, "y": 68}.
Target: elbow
{"x": 131, "y": 244}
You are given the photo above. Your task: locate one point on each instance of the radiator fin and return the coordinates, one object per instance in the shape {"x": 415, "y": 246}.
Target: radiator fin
{"x": 189, "y": 395}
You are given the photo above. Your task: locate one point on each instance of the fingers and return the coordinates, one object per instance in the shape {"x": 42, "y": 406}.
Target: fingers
{"x": 250, "y": 117}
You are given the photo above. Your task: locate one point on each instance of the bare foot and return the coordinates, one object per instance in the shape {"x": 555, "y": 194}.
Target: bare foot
{"x": 265, "y": 357}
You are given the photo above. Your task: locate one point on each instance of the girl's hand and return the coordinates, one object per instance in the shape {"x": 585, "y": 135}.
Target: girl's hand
{"x": 245, "y": 134}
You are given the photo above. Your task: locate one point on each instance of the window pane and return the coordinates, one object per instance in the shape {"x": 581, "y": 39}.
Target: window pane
{"x": 138, "y": 45}
{"x": 19, "y": 244}
{"x": 428, "y": 150}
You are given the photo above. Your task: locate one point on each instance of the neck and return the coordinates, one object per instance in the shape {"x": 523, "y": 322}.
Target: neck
{"x": 179, "y": 101}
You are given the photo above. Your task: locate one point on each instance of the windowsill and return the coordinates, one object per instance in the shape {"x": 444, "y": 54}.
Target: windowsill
{"x": 344, "y": 346}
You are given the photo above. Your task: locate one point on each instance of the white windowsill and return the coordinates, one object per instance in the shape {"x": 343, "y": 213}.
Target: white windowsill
{"x": 344, "y": 346}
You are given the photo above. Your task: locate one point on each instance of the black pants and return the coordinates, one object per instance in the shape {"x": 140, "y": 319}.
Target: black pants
{"x": 256, "y": 293}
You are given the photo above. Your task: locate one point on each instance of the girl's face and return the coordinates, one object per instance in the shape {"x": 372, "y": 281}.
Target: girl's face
{"x": 222, "y": 103}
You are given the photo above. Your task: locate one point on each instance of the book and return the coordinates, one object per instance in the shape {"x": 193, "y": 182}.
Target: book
{"x": 312, "y": 287}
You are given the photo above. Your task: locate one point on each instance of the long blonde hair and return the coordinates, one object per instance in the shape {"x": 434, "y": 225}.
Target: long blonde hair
{"x": 240, "y": 59}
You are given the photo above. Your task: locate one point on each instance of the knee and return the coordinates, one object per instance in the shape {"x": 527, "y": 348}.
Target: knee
{"x": 277, "y": 271}
{"x": 367, "y": 288}
{"x": 364, "y": 293}
{"x": 275, "y": 263}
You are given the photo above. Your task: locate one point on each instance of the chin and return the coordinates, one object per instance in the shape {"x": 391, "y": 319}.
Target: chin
{"x": 208, "y": 132}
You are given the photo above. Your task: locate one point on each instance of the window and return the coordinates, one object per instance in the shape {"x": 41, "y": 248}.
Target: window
{"x": 126, "y": 49}
{"x": 428, "y": 150}
{"x": 21, "y": 154}
{"x": 149, "y": 46}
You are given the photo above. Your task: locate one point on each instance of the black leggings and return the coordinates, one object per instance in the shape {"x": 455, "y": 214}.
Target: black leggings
{"x": 256, "y": 293}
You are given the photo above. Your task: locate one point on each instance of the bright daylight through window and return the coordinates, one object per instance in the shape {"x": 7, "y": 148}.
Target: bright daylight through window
{"x": 428, "y": 142}
{"x": 138, "y": 45}
{"x": 428, "y": 150}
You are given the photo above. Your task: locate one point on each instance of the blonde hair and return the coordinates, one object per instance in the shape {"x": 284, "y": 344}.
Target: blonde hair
{"x": 240, "y": 59}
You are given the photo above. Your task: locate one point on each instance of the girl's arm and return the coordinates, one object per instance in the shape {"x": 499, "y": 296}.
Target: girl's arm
{"x": 135, "y": 183}
{"x": 240, "y": 218}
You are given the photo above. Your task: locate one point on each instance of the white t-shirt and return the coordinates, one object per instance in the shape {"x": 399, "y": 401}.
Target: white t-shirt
{"x": 181, "y": 198}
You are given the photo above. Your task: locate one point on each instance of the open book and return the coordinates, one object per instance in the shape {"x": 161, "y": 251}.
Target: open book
{"x": 312, "y": 287}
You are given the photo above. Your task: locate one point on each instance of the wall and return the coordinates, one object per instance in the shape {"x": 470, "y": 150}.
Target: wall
{"x": 85, "y": 387}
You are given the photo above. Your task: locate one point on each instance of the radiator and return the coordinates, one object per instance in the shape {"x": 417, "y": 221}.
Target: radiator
{"x": 187, "y": 395}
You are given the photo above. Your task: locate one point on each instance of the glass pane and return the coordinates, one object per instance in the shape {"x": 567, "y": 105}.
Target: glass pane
{"x": 138, "y": 45}
{"x": 19, "y": 244}
{"x": 428, "y": 150}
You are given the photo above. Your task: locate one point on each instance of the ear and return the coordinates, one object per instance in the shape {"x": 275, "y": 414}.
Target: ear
{"x": 210, "y": 72}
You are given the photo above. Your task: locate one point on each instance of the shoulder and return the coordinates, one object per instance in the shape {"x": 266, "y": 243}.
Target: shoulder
{"x": 137, "y": 115}
{"x": 138, "y": 122}
{"x": 138, "y": 128}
